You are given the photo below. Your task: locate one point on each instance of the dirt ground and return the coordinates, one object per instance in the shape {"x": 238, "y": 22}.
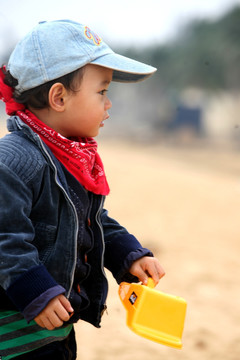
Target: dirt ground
{"x": 184, "y": 205}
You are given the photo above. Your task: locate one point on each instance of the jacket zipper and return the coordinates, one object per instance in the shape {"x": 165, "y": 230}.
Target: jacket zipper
{"x": 102, "y": 236}
{"x": 75, "y": 213}
{"x": 103, "y": 245}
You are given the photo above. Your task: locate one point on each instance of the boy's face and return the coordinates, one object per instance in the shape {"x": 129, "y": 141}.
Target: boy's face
{"x": 87, "y": 109}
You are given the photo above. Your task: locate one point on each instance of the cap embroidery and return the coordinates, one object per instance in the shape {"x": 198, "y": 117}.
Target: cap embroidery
{"x": 90, "y": 35}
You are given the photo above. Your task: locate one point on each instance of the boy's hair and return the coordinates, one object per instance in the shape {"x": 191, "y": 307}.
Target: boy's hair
{"x": 37, "y": 97}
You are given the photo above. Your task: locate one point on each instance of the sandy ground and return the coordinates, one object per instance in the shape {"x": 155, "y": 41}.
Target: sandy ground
{"x": 185, "y": 206}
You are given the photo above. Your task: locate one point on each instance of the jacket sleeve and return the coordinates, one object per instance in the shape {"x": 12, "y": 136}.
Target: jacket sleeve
{"x": 121, "y": 249}
{"x": 22, "y": 275}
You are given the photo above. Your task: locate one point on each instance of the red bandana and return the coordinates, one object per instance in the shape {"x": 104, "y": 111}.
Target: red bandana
{"x": 78, "y": 155}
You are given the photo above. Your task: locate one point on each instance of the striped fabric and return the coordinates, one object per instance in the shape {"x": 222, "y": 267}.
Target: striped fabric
{"x": 18, "y": 337}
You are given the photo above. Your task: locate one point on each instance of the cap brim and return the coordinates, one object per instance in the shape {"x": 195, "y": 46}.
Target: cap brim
{"x": 124, "y": 68}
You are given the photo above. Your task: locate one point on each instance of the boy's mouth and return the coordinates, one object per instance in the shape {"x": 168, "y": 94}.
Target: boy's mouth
{"x": 102, "y": 123}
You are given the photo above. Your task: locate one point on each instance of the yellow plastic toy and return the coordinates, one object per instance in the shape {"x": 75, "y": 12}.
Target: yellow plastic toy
{"x": 153, "y": 314}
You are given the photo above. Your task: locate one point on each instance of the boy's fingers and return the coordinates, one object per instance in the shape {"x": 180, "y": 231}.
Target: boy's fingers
{"x": 50, "y": 321}
{"x": 154, "y": 269}
{"x": 48, "y": 324}
{"x": 142, "y": 275}
{"x": 55, "y": 313}
{"x": 62, "y": 313}
{"x": 146, "y": 267}
{"x": 39, "y": 322}
{"x": 55, "y": 320}
{"x": 158, "y": 273}
{"x": 66, "y": 303}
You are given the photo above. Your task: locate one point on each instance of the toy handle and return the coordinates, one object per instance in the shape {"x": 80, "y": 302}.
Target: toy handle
{"x": 150, "y": 283}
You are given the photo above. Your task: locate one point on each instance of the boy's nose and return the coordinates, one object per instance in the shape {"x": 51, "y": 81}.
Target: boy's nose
{"x": 108, "y": 104}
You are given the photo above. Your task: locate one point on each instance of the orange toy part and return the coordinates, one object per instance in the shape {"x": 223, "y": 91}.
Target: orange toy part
{"x": 153, "y": 314}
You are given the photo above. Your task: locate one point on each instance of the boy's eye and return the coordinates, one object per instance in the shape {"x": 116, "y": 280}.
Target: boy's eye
{"x": 103, "y": 92}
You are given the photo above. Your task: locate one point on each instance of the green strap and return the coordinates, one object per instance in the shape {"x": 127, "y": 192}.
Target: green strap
{"x": 18, "y": 337}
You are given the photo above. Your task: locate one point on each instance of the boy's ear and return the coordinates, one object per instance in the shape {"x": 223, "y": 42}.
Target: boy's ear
{"x": 56, "y": 97}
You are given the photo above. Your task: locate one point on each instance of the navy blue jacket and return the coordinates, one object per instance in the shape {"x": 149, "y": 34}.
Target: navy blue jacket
{"x": 54, "y": 236}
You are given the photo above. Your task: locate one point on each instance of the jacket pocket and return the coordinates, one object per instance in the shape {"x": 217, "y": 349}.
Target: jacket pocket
{"x": 44, "y": 239}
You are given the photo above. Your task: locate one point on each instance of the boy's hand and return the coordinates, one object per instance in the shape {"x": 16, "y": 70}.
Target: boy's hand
{"x": 55, "y": 313}
{"x": 146, "y": 267}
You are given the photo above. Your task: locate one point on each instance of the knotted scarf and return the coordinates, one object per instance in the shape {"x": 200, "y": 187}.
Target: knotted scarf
{"x": 78, "y": 155}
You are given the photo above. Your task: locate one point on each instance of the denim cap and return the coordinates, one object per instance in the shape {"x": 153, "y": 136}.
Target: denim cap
{"x": 56, "y": 48}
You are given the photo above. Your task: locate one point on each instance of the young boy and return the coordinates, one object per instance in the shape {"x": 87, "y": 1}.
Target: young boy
{"x": 55, "y": 236}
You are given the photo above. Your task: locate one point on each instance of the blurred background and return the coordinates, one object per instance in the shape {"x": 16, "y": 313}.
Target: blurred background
{"x": 194, "y": 44}
{"x": 171, "y": 152}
